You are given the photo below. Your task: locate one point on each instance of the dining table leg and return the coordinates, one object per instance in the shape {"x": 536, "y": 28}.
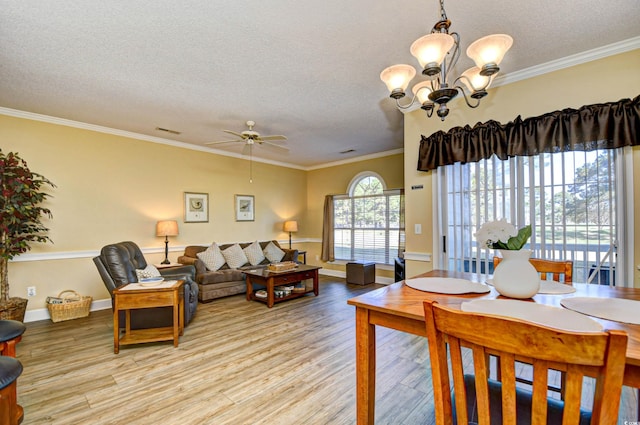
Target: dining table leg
{"x": 365, "y": 368}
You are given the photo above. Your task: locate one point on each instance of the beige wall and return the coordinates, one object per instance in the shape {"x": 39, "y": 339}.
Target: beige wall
{"x": 605, "y": 80}
{"x": 335, "y": 180}
{"x": 112, "y": 188}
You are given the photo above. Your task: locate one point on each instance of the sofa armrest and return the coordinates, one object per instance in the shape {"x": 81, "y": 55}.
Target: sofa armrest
{"x": 290, "y": 254}
{"x": 196, "y": 262}
{"x": 179, "y": 272}
{"x": 183, "y": 259}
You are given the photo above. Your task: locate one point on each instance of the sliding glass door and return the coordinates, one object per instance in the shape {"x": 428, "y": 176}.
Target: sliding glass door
{"x": 574, "y": 202}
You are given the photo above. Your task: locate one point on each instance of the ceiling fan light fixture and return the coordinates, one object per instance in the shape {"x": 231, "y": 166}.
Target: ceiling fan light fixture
{"x": 249, "y": 138}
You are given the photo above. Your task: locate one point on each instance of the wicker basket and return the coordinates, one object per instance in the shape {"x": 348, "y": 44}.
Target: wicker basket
{"x": 72, "y": 306}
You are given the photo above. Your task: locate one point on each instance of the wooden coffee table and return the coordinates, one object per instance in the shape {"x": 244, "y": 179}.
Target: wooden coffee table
{"x": 272, "y": 279}
{"x": 125, "y": 298}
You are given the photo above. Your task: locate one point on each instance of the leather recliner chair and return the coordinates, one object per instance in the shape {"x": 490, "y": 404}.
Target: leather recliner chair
{"x": 117, "y": 264}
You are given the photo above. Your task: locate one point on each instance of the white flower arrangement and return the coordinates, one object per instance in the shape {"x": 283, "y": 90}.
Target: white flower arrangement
{"x": 502, "y": 235}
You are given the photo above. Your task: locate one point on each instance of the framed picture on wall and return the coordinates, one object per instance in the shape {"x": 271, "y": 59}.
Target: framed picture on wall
{"x": 245, "y": 208}
{"x": 196, "y": 207}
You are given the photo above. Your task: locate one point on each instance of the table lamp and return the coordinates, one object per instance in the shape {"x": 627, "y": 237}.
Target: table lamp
{"x": 290, "y": 226}
{"x": 166, "y": 228}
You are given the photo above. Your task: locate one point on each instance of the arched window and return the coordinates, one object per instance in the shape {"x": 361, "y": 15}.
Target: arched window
{"x": 366, "y": 183}
{"x": 368, "y": 222}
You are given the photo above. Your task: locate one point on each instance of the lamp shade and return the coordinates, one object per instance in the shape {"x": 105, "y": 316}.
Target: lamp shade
{"x": 398, "y": 76}
{"x": 432, "y": 48}
{"x": 167, "y": 228}
{"x": 474, "y": 81}
{"x": 490, "y": 49}
{"x": 422, "y": 90}
{"x": 290, "y": 226}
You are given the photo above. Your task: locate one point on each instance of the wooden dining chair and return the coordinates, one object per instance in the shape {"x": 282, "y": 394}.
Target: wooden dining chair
{"x": 600, "y": 355}
{"x": 559, "y": 268}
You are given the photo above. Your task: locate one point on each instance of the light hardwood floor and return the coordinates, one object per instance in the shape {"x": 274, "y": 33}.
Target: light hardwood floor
{"x": 237, "y": 363}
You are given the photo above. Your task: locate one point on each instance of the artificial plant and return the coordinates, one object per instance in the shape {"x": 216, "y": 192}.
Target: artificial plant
{"x": 21, "y": 212}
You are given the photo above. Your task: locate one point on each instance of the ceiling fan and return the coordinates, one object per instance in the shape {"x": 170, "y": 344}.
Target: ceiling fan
{"x": 250, "y": 138}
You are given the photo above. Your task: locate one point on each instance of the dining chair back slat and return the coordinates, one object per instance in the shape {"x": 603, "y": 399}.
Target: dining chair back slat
{"x": 600, "y": 355}
{"x": 561, "y": 270}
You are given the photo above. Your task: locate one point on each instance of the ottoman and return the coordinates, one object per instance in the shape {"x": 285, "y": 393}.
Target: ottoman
{"x": 361, "y": 272}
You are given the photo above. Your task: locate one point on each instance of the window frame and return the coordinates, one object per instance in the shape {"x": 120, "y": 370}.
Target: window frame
{"x": 388, "y": 229}
{"x": 624, "y": 215}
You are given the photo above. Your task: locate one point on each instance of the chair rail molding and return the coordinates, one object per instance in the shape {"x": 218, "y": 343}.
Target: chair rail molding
{"x": 424, "y": 257}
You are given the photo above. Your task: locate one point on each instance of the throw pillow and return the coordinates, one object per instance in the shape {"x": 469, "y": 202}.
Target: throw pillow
{"x": 235, "y": 256}
{"x": 273, "y": 253}
{"x": 149, "y": 271}
{"x": 254, "y": 253}
{"x": 212, "y": 257}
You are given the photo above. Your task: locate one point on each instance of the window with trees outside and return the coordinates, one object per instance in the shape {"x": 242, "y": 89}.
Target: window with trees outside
{"x": 367, "y": 221}
{"x": 574, "y": 202}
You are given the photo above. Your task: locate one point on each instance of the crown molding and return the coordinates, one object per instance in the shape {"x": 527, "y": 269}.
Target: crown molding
{"x": 356, "y": 159}
{"x": 131, "y": 135}
{"x": 569, "y": 61}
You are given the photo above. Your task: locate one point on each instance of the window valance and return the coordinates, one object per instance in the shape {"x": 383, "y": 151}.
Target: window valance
{"x": 599, "y": 126}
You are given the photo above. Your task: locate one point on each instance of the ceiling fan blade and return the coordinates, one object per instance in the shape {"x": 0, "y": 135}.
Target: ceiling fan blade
{"x": 274, "y": 145}
{"x": 279, "y": 137}
{"x": 224, "y": 141}
{"x": 234, "y": 133}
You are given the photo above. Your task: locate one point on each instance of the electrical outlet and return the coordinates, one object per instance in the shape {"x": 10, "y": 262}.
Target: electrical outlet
{"x": 31, "y": 291}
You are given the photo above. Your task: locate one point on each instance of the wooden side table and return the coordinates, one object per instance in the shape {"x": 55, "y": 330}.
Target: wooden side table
{"x": 126, "y": 298}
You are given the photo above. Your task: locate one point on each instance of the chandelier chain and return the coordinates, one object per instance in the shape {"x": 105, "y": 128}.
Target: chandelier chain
{"x": 443, "y": 14}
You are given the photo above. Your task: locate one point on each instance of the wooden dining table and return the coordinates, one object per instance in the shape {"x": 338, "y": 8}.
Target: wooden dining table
{"x": 400, "y": 307}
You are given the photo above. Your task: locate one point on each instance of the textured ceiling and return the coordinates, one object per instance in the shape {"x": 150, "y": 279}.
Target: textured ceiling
{"x": 305, "y": 69}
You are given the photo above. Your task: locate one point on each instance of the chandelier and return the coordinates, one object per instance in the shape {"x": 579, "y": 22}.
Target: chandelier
{"x": 438, "y": 53}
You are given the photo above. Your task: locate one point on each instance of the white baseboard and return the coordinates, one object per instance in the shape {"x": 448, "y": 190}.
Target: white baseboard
{"x": 43, "y": 313}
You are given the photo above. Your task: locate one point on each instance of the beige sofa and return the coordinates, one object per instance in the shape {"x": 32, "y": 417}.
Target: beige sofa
{"x": 225, "y": 281}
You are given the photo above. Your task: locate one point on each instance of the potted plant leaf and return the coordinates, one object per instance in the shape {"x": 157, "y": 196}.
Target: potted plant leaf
{"x": 20, "y": 222}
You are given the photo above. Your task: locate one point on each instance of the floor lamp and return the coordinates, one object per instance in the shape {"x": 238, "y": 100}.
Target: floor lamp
{"x": 290, "y": 226}
{"x": 166, "y": 228}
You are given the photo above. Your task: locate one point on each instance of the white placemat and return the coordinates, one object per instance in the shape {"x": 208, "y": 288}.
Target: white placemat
{"x": 546, "y": 315}
{"x": 616, "y": 309}
{"x": 447, "y": 285}
{"x": 549, "y": 287}
{"x": 555, "y": 287}
{"x": 134, "y": 286}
